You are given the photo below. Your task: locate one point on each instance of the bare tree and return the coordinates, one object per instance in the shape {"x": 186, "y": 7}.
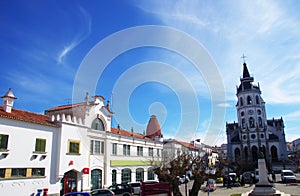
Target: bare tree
{"x": 169, "y": 171}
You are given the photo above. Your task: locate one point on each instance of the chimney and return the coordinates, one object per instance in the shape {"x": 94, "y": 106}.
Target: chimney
{"x": 8, "y": 101}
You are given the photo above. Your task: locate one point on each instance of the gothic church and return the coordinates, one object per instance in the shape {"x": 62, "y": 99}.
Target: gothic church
{"x": 254, "y": 133}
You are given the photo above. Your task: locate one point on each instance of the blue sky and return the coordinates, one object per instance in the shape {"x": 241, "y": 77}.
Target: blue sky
{"x": 44, "y": 45}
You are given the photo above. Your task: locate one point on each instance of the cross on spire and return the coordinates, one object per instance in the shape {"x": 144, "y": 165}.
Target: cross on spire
{"x": 244, "y": 57}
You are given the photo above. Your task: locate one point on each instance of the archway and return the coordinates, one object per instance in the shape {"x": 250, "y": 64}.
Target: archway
{"x": 274, "y": 153}
{"x": 150, "y": 173}
{"x": 246, "y": 153}
{"x": 69, "y": 182}
{"x": 126, "y": 175}
{"x": 114, "y": 176}
{"x": 237, "y": 154}
{"x": 96, "y": 179}
{"x": 254, "y": 153}
{"x": 139, "y": 173}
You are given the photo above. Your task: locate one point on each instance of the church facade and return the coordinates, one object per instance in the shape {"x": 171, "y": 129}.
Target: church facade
{"x": 253, "y": 133}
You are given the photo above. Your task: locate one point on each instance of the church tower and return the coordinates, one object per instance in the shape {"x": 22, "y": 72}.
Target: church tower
{"x": 254, "y": 133}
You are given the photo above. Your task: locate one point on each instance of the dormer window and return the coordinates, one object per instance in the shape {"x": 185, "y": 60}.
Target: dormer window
{"x": 98, "y": 125}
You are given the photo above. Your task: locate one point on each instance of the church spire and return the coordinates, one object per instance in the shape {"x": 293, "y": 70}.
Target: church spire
{"x": 245, "y": 71}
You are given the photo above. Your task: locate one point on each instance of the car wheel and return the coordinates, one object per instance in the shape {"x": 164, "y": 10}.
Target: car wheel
{"x": 126, "y": 194}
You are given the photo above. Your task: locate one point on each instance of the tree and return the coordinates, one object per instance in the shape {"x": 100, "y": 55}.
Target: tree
{"x": 169, "y": 171}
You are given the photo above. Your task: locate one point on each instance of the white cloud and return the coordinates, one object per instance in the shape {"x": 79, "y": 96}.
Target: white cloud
{"x": 86, "y": 21}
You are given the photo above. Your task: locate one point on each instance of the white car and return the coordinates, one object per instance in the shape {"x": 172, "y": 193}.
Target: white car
{"x": 287, "y": 176}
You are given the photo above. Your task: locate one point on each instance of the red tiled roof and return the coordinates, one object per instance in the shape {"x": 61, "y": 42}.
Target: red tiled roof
{"x": 188, "y": 145}
{"x": 26, "y": 116}
{"x": 70, "y": 106}
{"x": 63, "y": 107}
{"x": 129, "y": 134}
{"x": 185, "y": 144}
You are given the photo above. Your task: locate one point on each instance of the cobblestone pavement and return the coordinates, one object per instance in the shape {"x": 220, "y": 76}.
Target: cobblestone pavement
{"x": 293, "y": 189}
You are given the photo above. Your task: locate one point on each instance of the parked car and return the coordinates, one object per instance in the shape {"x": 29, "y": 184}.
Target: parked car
{"x": 121, "y": 189}
{"x": 102, "y": 192}
{"x": 210, "y": 185}
{"x": 136, "y": 187}
{"x": 247, "y": 177}
{"x": 77, "y": 194}
{"x": 230, "y": 180}
{"x": 183, "y": 179}
{"x": 287, "y": 176}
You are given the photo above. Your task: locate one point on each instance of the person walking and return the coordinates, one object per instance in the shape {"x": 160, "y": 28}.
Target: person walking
{"x": 207, "y": 188}
{"x": 273, "y": 176}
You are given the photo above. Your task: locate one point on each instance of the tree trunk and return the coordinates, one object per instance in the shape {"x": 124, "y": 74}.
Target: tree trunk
{"x": 198, "y": 181}
{"x": 175, "y": 188}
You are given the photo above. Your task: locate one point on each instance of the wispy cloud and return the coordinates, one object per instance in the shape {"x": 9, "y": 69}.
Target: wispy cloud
{"x": 266, "y": 31}
{"x": 259, "y": 35}
{"x": 87, "y": 23}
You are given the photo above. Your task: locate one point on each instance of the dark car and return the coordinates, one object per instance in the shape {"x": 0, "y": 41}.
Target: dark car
{"x": 77, "y": 194}
{"x": 121, "y": 189}
{"x": 247, "y": 177}
{"x": 102, "y": 192}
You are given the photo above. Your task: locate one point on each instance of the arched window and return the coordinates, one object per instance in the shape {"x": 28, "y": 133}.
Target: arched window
{"x": 249, "y": 101}
{"x": 150, "y": 173}
{"x": 97, "y": 124}
{"x": 243, "y": 123}
{"x": 257, "y": 100}
{"x": 139, "y": 174}
{"x": 274, "y": 153}
{"x": 251, "y": 122}
{"x": 241, "y": 101}
{"x": 126, "y": 175}
{"x": 237, "y": 154}
{"x": 246, "y": 153}
{"x": 254, "y": 153}
{"x": 259, "y": 122}
{"x": 114, "y": 177}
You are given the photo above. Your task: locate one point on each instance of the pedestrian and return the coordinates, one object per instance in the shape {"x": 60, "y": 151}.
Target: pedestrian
{"x": 242, "y": 181}
{"x": 273, "y": 176}
{"x": 252, "y": 179}
{"x": 207, "y": 188}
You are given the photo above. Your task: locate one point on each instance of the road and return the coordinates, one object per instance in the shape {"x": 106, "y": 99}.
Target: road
{"x": 292, "y": 189}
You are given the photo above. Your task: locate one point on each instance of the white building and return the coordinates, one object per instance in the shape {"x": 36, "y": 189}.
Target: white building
{"x": 71, "y": 147}
{"x": 173, "y": 148}
{"x": 28, "y": 148}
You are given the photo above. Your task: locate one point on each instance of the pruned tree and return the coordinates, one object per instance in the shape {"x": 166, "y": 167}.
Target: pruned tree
{"x": 169, "y": 171}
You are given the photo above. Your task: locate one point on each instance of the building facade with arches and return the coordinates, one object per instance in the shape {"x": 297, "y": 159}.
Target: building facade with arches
{"x": 70, "y": 148}
{"x": 253, "y": 133}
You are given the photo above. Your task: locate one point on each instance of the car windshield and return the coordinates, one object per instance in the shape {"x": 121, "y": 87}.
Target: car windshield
{"x": 288, "y": 174}
{"x": 135, "y": 184}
